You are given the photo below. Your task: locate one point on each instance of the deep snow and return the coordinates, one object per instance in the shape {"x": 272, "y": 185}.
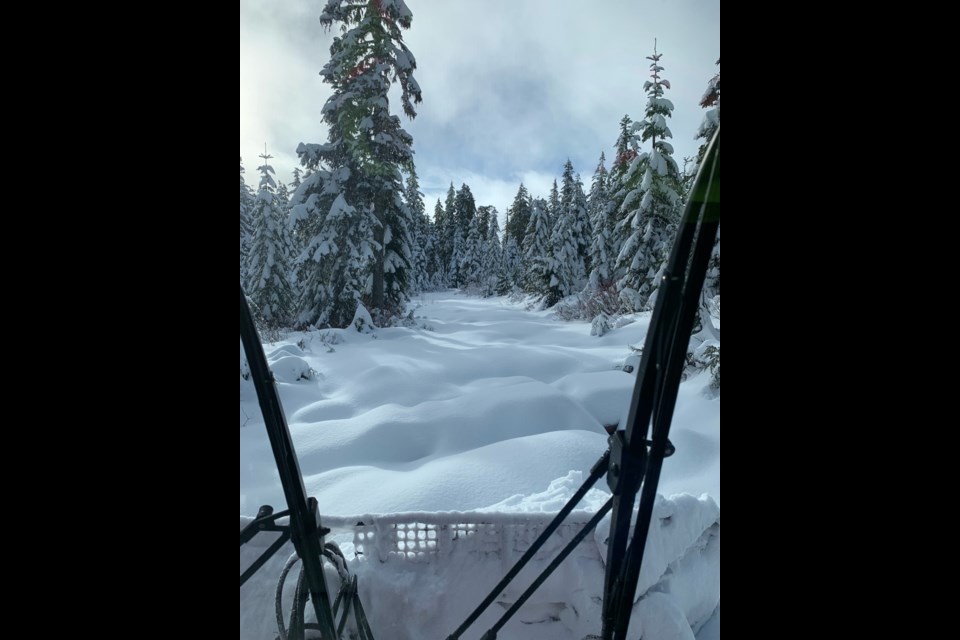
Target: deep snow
{"x": 482, "y": 406}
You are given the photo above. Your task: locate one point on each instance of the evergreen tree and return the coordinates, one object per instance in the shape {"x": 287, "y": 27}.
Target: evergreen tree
{"x": 650, "y": 209}
{"x": 565, "y": 272}
{"x": 711, "y": 120}
{"x": 303, "y": 221}
{"x": 440, "y": 256}
{"x": 518, "y": 217}
{"x": 709, "y": 126}
{"x": 572, "y": 214}
{"x": 583, "y": 225}
{"x": 414, "y": 202}
{"x": 283, "y": 196}
{"x": 268, "y": 264}
{"x": 359, "y": 226}
{"x": 626, "y": 152}
{"x": 553, "y": 206}
{"x": 493, "y": 255}
{"x": 465, "y": 210}
{"x": 603, "y": 252}
{"x": 432, "y": 277}
{"x": 471, "y": 262}
{"x": 537, "y": 252}
{"x": 483, "y": 219}
{"x": 246, "y": 206}
{"x": 451, "y": 238}
{"x": 511, "y": 273}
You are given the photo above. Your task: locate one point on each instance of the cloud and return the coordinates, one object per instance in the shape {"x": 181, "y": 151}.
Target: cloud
{"x": 511, "y": 88}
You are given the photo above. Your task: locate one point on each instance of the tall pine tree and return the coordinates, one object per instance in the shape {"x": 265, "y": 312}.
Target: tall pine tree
{"x": 573, "y": 208}
{"x": 553, "y": 206}
{"x": 440, "y": 257}
{"x": 603, "y": 251}
{"x": 493, "y": 255}
{"x": 419, "y": 232}
{"x": 711, "y": 120}
{"x": 360, "y": 239}
{"x": 465, "y": 211}
{"x": 471, "y": 260}
{"x": 518, "y": 217}
{"x": 246, "y": 206}
{"x": 538, "y": 253}
{"x": 512, "y": 275}
{"x": 452, "y": 243}
{"x": 268, "y": 264}
{"x": 709, "y": 126}
{"x": 650, "y": 208}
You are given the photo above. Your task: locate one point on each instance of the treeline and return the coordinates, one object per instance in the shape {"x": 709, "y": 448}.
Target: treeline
{"x": 352, "y": 227}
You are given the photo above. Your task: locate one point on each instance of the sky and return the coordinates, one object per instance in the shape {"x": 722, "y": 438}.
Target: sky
{"x": 511, "y": 88}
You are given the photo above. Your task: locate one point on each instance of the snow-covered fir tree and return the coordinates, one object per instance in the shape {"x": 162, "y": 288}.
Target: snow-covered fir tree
{"x": 711, "y": 119}
{"x": 471, "y": 259}
{"x": 518, "y": 218}
{"x": 603, "y": 252}
{"x": 537, "y": 255}
{"x": 511, "y": 273}
{"x": 483, "y": 219}
{"x": 283, "y": 196}
{"x": 625, "y": 154}
{"x": 573, "y": 207}
{"x": 553, "y": 205}
{"x": 358, "y": 224}
{"x": 492, "y": 255}
{"x": 439, "y": 257}
{"x": 466, "y": 211}
{"x": 711, "y": 122}
{"x": 565, "y": 269}
{"x": 268, "y": 264}
{"x": 246, "y": 206}
{"x": 650, "y": 207}
{"x": 584, "y": 225}
{"x": 452, "y": 244}
{"x": 419, "y": 232}
{"x": 428, "y": 238}
{"x": 303, "y": 221}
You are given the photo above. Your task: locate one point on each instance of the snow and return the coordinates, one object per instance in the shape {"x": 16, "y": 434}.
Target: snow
{"x": 481, "y": 412}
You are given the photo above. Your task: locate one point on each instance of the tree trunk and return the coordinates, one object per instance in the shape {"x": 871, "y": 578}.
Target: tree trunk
{"x": 377, "y": 294}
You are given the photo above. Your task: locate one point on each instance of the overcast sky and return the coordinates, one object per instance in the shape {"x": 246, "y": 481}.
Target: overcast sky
{"x": 511, "y": 88}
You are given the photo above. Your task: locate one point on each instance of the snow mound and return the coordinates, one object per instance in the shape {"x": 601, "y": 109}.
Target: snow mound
{"x": 285, "y": 350}
{"x": 362, "y": 321}
{"x": 554, "y": 498}
{"x": 291, "y": 369}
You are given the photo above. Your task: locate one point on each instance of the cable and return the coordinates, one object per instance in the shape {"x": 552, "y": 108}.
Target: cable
{"x": 348, "y": 595}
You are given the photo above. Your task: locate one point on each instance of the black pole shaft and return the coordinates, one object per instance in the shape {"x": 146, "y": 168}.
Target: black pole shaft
{"x": 597, "y": 472}
{"x": 655, "y": 392}
{"x": 266, "y": 555}
{"x": 662, "y": 419}
{"x": 566, "y": 551}
{"x": 303, "y": 520}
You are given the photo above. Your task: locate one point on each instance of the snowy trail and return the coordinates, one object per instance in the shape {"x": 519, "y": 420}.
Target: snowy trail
{"x": 483, "y": 406}
{"x": 495, "y": 401}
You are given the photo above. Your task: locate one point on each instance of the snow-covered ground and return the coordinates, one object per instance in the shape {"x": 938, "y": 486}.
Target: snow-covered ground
{"x": 483, "y": 406}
